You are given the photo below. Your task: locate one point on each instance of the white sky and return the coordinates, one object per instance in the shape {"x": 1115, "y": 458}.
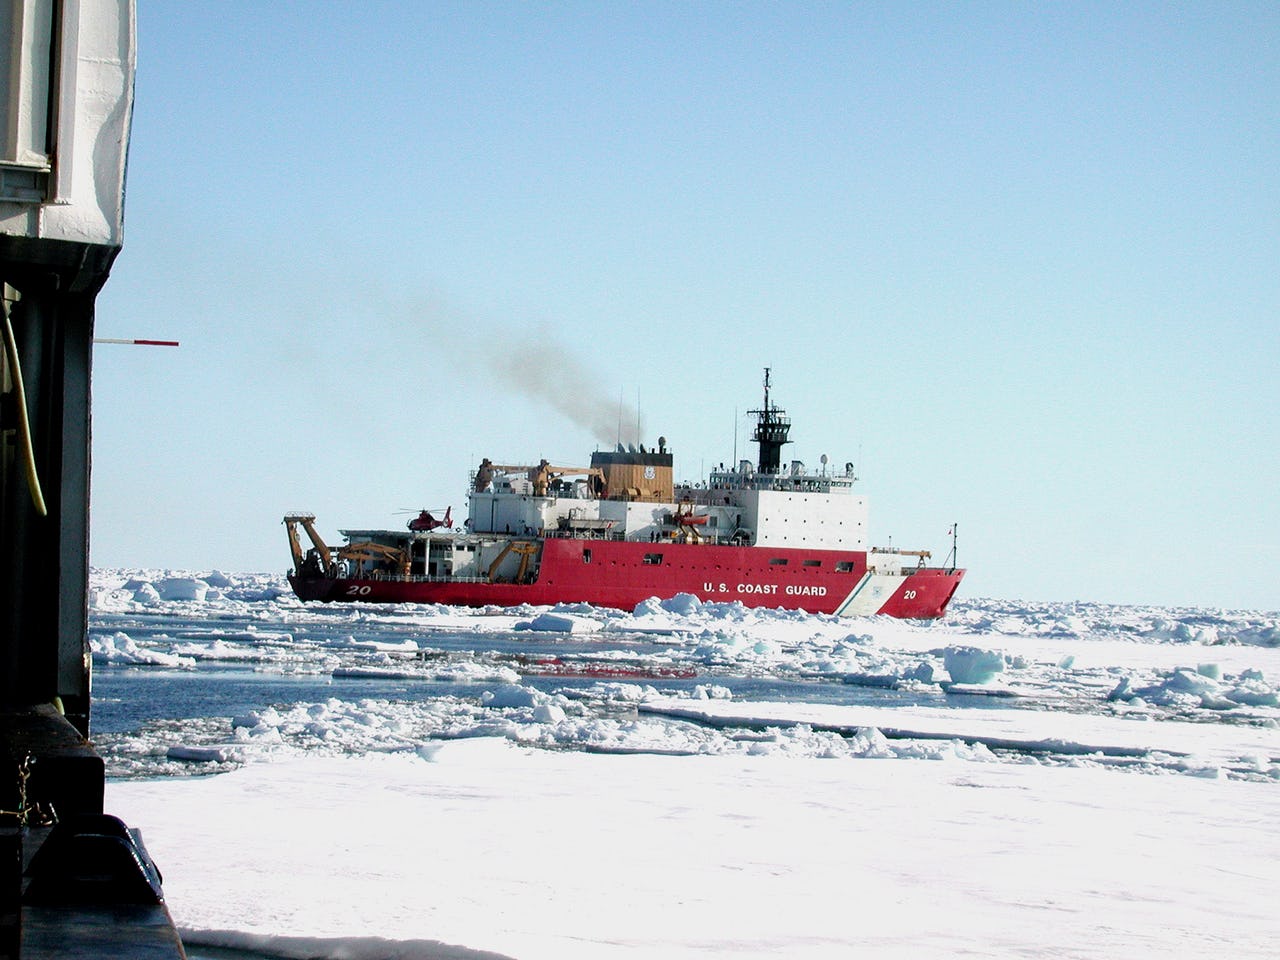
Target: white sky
{"x": 1016, "y": 261}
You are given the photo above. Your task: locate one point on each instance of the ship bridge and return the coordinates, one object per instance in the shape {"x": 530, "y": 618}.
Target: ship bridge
{"x": 797, "y": 478}
{"x": 787, "y": 508}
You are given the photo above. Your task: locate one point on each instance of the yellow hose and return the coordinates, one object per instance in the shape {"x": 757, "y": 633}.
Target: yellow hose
{"x": 24, "y": 427}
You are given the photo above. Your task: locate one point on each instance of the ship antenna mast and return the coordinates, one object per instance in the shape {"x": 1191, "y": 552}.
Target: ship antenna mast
{"x": 619, "y": 441}
{"x": 734, "y": 461}
{"x": 772, "y": 429}
{"x": 953, "y": 556}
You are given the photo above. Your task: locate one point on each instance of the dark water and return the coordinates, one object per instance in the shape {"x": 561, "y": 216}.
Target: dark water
{"x": 125, "y": 699}
{"x": 248, "y": 663}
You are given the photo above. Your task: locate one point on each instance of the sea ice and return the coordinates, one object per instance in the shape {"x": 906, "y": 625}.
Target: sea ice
{"x": 120, "y": 648}
{"x": 972, "y": 665}
{"x": 182, "y": 588}
{"x": 548, "y": 713}
{"x": 510, "y": 695}
{"x": 682, "y": 605}
{"x": 573, "y": 856}
{"x": 732, "y": 825}
{"x": 559, "y": 623}
{"x": 1253, "y": 693}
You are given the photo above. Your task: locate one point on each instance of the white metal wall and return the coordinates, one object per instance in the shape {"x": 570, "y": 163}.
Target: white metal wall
{"x": 66, "y": 88}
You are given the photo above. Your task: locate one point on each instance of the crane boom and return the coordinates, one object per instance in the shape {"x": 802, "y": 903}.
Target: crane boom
{"x": 291, "y": 520}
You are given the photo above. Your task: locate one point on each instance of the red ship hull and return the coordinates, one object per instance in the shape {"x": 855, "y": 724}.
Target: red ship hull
{"x": 622, "y": 574}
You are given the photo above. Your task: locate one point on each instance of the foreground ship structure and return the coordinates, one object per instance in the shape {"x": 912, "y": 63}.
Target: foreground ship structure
{"x": 619, "y": 531}
{"x": 75, "y": 881}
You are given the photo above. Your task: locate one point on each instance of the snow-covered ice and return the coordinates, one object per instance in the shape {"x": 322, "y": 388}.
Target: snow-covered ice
{"x": 529, "y": 854}
{"x": 693, "y": 780}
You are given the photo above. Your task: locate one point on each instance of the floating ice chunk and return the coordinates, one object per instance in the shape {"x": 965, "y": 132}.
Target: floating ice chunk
{"x": 870, "y": 742}
{"x": 648, "y": 608}
{"x": 1184, "y": 688}
{"x": 734, "y": 610}
{"x": 392, "y": 646}
{"x": 470, "y": 672}
{"x": 922, "y": 672}
{"x": 1268, "y": 636}
{"x": 858, "y": 639}
{"x": 972, "y": 665}
{"x": 258, "y": 724}
{"x": 624, "y": 692}
{"x": 548, "y": 713}
{"x": 1121, "y": 691}
{"x": 121, "y": 648}
{"x": 712, "y": 691}
{"x": 1253, "y": 693}
{"x": 682, "y": 604}
{"x": 940, "y": 750}
{"x": 558, "y": 623}
{"x": 1213, "y": 701}
{"x": 182, "y": 588}
{"x": 509, "y": 695}
{"x": 221, "y": 650}
{"x": 145, "y": 593}
{"x": 1184, "y": 680}
{"x": 1210, "y": 670}
{"x": 1067, "y": 662}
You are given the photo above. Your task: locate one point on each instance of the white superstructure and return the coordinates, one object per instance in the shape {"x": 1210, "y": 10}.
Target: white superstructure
{"x": 796, "y": 508}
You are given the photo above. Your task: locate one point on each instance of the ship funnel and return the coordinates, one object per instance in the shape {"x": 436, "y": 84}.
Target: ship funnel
{"x": 635, "y": 475}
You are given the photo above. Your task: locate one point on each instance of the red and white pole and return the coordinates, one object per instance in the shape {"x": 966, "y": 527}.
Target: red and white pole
{"x": 141, "y": 343}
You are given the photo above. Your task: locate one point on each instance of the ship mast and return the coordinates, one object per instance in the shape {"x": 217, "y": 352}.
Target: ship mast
{"x": 771, "y": 432}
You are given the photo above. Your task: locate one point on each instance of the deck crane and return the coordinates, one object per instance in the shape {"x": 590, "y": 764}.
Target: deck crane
{"x": 322, "y": 555}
